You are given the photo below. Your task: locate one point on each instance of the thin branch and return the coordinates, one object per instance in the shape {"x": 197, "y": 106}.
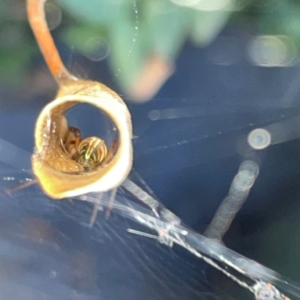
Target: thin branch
{"x": 36, "y": 17}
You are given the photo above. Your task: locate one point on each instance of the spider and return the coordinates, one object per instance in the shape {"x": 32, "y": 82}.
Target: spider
{"x": 90, "y": 152}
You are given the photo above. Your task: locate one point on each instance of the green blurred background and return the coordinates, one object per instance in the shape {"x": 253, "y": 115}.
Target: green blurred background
{"x": 135, "y": 35}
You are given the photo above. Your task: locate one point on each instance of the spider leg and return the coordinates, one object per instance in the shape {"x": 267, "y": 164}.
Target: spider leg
{"x": 95, "y": 210}
{"x": 20, "y": 186}
{"x": 111, "y": 202}
{"x": 110, "y": 153}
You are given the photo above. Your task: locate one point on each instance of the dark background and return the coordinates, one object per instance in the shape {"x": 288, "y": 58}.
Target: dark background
{"x": 189, "y": 163}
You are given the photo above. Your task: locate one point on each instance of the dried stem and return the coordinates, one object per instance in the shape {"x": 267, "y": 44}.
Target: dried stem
{"x": 36, "y": 16}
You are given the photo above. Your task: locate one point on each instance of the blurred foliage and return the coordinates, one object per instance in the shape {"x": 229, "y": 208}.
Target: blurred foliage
{"x": 130, "y": 31}
{"x": 136, "y": 30}
{"x": 16, "y": 45}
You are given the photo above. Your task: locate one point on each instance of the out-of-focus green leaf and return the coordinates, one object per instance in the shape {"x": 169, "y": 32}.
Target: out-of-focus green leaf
{"x": 279, "y": 20}
{"x": 127, "y": 49}
{"x": 289, "y": 16}
{"x": 93, "y": 11}
{"x": 293, "y": 27}
{"x": 77, "y": 36}
{"x": 14, "y": 64}
{"x": 2, "y": 10}
{"x": 168, "y": 27}
{"x": 207, "y": 26}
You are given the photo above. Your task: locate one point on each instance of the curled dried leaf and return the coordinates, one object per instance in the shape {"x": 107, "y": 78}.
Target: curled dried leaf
{"x": 61, "y": 176}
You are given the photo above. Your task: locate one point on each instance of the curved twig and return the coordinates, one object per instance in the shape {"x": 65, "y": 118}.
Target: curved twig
{"x": 59, "y": 175}
{"x": 36, "y": 17}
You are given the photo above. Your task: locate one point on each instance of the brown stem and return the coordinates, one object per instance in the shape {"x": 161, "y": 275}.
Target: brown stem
{"x": 36, "y": 17}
